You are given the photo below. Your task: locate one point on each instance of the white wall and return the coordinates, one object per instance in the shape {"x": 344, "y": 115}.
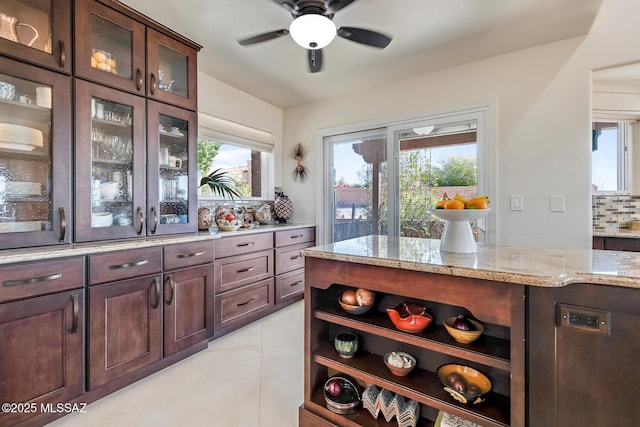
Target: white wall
{"x": 542, "y": 98}
{"x": 221, "y": 100}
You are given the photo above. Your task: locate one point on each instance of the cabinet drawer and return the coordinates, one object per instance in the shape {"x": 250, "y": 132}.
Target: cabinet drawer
{"x": 39, "y": 278}
{"x": 187, "y": 254}
{"x": 241, "y": 303}
{"x": 294, "y": 237}
{"x": 234, "y": 272}
{"x": 123, "y": 265}
{"x": 290, "y": 257}
{"x": 236, "y": 245}
{"x": 289, "y": 284}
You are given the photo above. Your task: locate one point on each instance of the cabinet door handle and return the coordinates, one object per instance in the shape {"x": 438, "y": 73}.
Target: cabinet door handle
{"x": 193, "y": 254}
{"x": 296, "y": 257}
{"x": 152, "y": 84}
{"x": 76, "y": 308}
{"x": 129, "y": 264}
{"x": 138, "y": 79}
{"x": 20, "y": 282}
{"x": 63, "y": 224}
{"x": 171, "y": 283}
{"x": 156, "y": 294}
{"x": 155, "y": 219}
{"x": 240, "y": 245}
{"x": 63, "y": 54}
{"x": 299, "y": 282}
{"x": 140, "y": 220}
{"x": 240, "y": 304}
{"x": 244, "y": 270}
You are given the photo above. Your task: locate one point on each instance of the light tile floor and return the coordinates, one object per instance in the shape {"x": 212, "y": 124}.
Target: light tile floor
{"x": 252, "y": 377}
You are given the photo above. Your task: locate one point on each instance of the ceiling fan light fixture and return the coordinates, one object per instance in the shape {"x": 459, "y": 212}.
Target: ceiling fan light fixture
{"x": 312, "y": 31}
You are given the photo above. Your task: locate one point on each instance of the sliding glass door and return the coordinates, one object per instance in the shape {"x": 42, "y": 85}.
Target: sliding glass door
{"x": 365, "y": 193}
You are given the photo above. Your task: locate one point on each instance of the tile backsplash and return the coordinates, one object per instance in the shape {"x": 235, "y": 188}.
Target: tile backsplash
{"x": 615, "y": 210}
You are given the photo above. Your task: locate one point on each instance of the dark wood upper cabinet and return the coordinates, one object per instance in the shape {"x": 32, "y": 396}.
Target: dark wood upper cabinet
{"x": 110, "y": 163}
{"x": 109, "y": 47}
{"x": 35, "y": 155}
{"x": 172, "y": 70}
{"x": 38, "y": 31}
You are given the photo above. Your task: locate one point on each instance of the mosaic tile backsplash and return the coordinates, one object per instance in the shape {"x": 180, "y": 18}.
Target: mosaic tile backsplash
{"x": 615, "y": 209}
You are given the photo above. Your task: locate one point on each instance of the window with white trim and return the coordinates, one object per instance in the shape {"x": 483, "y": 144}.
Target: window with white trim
{"x": 244, "y": 153}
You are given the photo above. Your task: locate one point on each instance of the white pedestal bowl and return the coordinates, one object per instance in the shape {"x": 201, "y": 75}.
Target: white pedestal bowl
{"x": 457, "y": 236}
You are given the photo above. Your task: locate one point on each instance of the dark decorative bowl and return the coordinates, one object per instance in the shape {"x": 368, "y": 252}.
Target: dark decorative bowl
{"x": 349, "y": 398}
{"x": 409, "y": 317}
{"x": 355, "y": 309}
{"x": 464, "y": 384}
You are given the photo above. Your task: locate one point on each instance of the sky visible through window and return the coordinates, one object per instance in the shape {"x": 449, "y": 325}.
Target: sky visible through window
{"x": 604, "y": 163}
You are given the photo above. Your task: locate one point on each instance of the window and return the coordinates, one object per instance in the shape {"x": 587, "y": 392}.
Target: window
{"x": 368, "y": 194}
{"x": 244, "y": 153}
{"x": 610, "y": 156}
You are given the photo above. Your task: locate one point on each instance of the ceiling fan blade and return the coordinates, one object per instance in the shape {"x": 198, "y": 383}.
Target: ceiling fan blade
{"x": 315, "y": 60}
{"x": 290, "y": 5}
{"x": 263, "y": 37}
{"x": 333, "y": 6}
{"x": 364, "y": 36}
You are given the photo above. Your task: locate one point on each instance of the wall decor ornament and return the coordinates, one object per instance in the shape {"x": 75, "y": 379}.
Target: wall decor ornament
{"x": 301, "y": 170}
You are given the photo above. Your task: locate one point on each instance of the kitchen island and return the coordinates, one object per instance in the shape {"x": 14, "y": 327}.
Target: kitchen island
{"x": 559, "y": 343}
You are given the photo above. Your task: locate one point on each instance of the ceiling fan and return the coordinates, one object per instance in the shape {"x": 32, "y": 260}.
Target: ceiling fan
{"x": 313, "y": 28}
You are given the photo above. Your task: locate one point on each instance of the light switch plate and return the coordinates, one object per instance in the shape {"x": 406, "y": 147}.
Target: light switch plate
{"x": 556, "y": 203}
{"x": 517, "y": 203}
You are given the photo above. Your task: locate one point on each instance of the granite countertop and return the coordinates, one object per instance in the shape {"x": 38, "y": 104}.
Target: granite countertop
{"x": 622, "y": 233}
{"x": 521, "y": 265}
{"x": 10, "y": 256}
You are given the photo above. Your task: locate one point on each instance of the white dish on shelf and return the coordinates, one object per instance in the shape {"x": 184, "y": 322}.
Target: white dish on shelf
{"x": 23, "y": 188}
{"x": 18, "y": 134}
{"x": 101, "y": 219}
{"x": 20, "y": 226}
{"x": 19, "y": 147}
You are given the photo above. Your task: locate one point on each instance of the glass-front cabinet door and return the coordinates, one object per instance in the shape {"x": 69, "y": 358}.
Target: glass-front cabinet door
{"x": 171, "y": 148}
{"x": 172, "y": 68}
{"x": 37, "y": 31}
{"x": 35, "y": 154}
{"x": 111, "y": 48}
{"x": 110, "y": 163}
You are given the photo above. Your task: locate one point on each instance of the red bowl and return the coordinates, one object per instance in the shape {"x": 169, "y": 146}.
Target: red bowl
{"x": 409, "y": 317}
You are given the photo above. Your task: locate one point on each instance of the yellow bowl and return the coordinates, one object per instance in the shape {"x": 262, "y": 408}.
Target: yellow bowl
{"x": 464, "y": 337}
{"x": 464, "y": 384}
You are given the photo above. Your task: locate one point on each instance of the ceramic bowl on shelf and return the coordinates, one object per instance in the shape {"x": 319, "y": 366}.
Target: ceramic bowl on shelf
{"x": 7, "y": 91}
{"x": 228, "y": 225}
{"x": 410, "y": 317}
{"x": 354, "y": 309}
{"x": 357, "y": 301}
{"x": 399, "y": 363}
{"x": 464, "y": 384}
{"x": 346, "y": 344}
{"x": 342, "y": 394}
{"x": 462, "y": 336}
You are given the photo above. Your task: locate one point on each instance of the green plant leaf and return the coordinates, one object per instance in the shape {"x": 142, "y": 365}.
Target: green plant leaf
{"x": 221, "y": 184}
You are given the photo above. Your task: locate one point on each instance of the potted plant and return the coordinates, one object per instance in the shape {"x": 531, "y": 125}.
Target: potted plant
{"x": 220, "y": 184}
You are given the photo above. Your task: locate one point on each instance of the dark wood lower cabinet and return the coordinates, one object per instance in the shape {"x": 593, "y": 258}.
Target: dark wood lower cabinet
{"x": 583, "y": 356}
{"x": 125, "y": 328}
{"x": 41, "y": 349}
{"x": 188, "y": 309}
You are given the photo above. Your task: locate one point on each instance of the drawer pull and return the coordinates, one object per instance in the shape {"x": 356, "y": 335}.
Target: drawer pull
{"x": 296, "y": 256}
{"x": 156, "y": 293}
{"x": 75, "y": 308}
{"x": 299, "y": 282}
{"x": 297, "y": 236}
{"x": 193, "y": 254}
{"x": 239, "y": 245}
{"x": 244, "y": 270}
{"x": 240, "y": 304}
{"x": 20, "y": 282}
{"x": 129, "y": 264}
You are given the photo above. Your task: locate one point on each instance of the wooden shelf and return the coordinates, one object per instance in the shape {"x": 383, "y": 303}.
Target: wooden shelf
{"x": 420, "y": 385}
{"x": 487, "y": 350}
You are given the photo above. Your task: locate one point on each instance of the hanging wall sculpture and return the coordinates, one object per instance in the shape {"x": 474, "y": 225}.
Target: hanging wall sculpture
{"x": 300, "y": 171}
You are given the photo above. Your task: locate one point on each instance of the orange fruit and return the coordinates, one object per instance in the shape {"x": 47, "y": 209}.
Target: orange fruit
{"x": 479, "y": 203}
{"x": 454, "y": 204}
{"x": 441, "y": 203}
